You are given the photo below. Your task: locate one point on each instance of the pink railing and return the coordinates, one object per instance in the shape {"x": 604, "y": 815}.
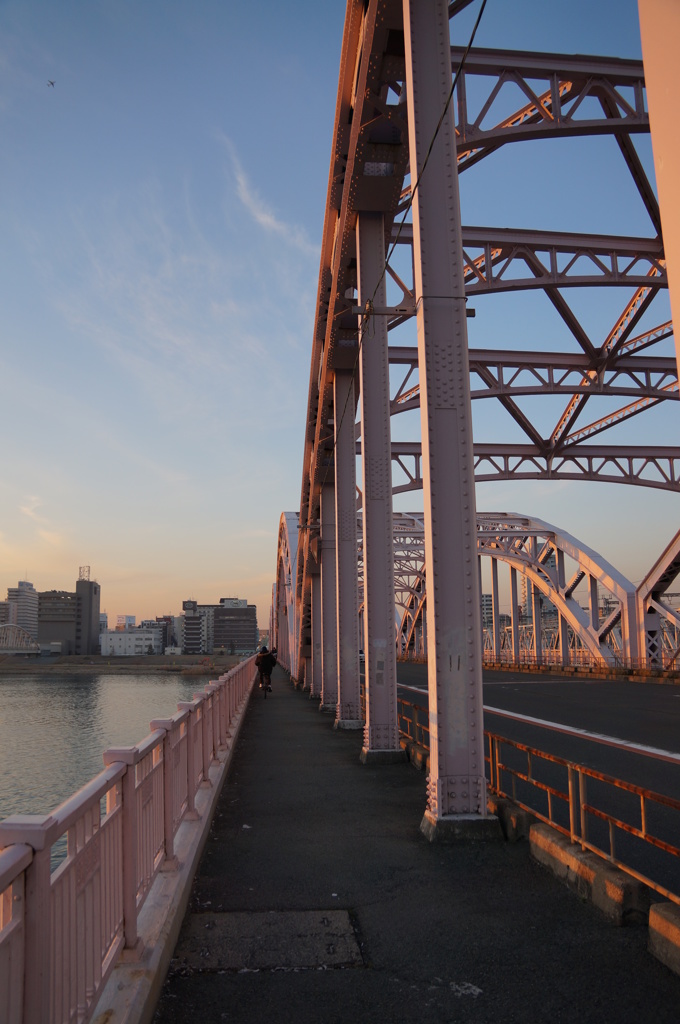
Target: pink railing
{"x": 63, "y": 929}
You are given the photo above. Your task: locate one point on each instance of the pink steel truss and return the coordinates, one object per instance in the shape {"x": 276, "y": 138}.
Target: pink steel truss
{"x": 563, "y": 403}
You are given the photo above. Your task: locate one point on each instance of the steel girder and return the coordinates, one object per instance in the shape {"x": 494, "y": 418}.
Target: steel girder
{"x": 657, "y": 467}
{"x": 556, "y": 96}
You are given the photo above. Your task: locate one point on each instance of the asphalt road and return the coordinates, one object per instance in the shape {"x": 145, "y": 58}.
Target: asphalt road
{"x": 636, "y": 712}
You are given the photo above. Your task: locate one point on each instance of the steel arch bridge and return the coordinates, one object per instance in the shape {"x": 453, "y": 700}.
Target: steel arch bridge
{"x": 398, "y": 257}
{"x": 15, "y": 640}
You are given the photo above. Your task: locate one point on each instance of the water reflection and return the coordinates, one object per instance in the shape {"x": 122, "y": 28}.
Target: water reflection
{"x": 54, "y": 729}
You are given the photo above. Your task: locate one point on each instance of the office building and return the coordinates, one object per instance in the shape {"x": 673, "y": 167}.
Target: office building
{"x": 25, "y": 597}
{"x": 69, "y": 621}
{"x": 8, "y": 613}
{"x": 235, "y": 626}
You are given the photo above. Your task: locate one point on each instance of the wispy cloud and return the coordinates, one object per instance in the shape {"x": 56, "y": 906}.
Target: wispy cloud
{"x": 259, "y": 210}
{"x": 30, "y": 507}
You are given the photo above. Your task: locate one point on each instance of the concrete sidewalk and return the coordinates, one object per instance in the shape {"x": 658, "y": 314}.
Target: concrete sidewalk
{"x": 318, "y": 899}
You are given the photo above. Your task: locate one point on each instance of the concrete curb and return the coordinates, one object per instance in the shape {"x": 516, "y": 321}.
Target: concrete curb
{"x": 515, "y": 822}
{"x": 664, "y": 934}
{"x": 622, "y": 899}
{"x": 132, "y": 992}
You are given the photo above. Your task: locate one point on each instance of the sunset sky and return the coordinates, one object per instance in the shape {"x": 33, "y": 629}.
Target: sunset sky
{"x": 161, "y": 209}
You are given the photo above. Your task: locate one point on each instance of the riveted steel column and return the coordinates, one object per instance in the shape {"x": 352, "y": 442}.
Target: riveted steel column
{"x": 329, "y": 630}
{"x": 456, "y": 784}
{"x": 514, "y": 615}
{"x": 537, "y": 622}
{"x": 348, "y": 715}
{"x": 317, "y": 640}
{"x": 495, "y": 611}
{"x": 381, "y": 732}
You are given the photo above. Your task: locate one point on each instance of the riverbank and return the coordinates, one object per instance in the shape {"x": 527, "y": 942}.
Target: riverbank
{"x": 186, "y": 664}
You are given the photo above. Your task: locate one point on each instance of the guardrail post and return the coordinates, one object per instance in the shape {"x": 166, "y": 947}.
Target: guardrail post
{"x": 133, "y": 943}
{"x": 32, "y": 830}
{"x": 572, "y": 804}
{"x": 170, "y": 862}
{"x": 215, "y": 712}
{"x": 582, "y": 797}
{"x": 205, "y": 739}
{"x": 192, "y": 707}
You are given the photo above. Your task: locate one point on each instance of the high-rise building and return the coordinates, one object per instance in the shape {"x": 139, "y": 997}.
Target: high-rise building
{"x": 194, "y": 639}
{"x": 58, "y": 620}
{"x": 25, "y": 597}
{"x": 88, "y": 594}
{"x": 70, "y": 619}
{"x": 235, "y": 626}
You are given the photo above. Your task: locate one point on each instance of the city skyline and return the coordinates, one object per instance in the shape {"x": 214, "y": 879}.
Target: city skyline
{"x": 161, "y": 210}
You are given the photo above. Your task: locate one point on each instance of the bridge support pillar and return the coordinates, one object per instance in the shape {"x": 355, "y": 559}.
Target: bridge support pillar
{"x": 456, "y": 784}
{"x": 315, "y": 680}
{"x": 381, "y": 732}
{"x": 329, "y": 630}
{"x": 495, "y": 612}
{"x": 514, "y": 615}
{"x": 537, "y": 622}
{"x": 348, "y": 714}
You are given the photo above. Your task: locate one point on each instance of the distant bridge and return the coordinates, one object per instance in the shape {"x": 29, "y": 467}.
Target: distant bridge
{"x": 15, "y": 640}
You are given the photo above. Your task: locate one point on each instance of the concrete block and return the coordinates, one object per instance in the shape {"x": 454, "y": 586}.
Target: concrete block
{"x": 664, "y": 934}
{"x": 515, "y": 821}
{"x": 622, "y": 899}
{"x": 461, "y": 828}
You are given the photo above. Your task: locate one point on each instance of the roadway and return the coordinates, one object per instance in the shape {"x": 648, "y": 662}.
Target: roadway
{"x": 644, "y": 713}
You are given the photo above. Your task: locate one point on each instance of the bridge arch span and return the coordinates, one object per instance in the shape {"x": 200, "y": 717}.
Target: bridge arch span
{"x": 15, "y": 640}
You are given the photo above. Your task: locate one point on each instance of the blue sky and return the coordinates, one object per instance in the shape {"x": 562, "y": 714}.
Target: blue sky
{"x": 161, "y": 210}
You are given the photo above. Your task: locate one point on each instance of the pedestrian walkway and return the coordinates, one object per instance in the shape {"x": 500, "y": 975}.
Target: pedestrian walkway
{"x": 318, "y": 900}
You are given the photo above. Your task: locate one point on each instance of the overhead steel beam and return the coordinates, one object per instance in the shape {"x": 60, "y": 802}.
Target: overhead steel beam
{"x": 657, "y": 467}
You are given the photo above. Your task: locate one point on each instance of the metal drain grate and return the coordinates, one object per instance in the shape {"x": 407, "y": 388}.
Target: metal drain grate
{"x": 266, "y": 941}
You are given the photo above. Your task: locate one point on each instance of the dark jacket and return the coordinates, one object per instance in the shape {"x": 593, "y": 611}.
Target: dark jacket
{"x": 265, "y": 662}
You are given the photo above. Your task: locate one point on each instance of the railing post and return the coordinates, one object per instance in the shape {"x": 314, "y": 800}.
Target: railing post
{"x": 205, "y": 740}
{"x": 33, "y": 830}
{"x": 170, "y": 862}
{"x": 572, "y": 802}
{"x": 215, "y": 705}
{"x": 582, "y": 797}
{"x": 133, "y": 943}
{"x": 191, "y": 706}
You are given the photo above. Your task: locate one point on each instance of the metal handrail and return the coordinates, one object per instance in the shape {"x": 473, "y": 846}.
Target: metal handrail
{"x": 414, "y": 728}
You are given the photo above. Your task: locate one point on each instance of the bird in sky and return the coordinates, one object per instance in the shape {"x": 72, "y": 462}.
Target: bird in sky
{"x": 51, "y": 83}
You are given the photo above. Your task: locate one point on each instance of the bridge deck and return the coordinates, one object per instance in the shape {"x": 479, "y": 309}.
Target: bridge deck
{"x": 318, "y": 899}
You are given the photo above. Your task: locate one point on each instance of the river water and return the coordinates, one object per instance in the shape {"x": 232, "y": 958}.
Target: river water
{"x": 55, "y": 728}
